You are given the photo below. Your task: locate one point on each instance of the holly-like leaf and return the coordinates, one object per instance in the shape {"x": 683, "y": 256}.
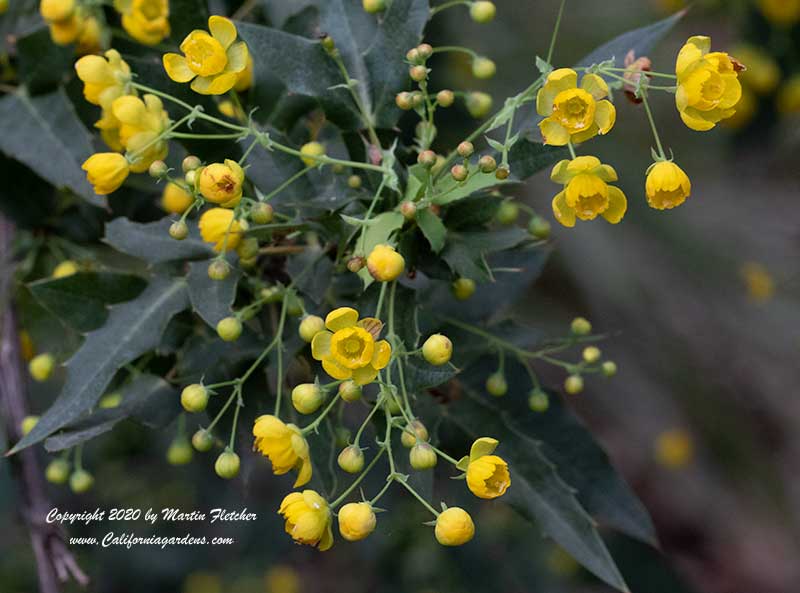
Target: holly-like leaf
{"x": 538, "y": 492}
{"x": 185, "y": 16}
{"x": 312, "y": 273}
{"x": 527, "y": 157}
{"x": 42, "y": 63}
{"x": 151, "y": 241}
{"x": 432, "y": 227}
{"x": 419, "y": 375}
{"x": 148, "y": 399}
{"x": 132, "y": 329}
{"x": 448, "y": 190}
{"x": 211, "y": 299}
{"x": 81, "y": 300}
{"x": 44, "y": 133}
{"x": 465, "y": 252}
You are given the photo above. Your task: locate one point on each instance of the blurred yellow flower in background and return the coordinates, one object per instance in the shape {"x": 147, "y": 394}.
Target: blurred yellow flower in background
{"x": 674, "y": 448}
{"x": 758, "y": 282}
{"x": 784, "y": 13}
{"x": 281, "y": 578}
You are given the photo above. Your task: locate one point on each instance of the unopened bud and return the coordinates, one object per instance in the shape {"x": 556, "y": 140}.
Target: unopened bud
{"x": 354, "y": 182}
{"x": 445, "y": 98}
{"x": 178, "y": 230}
{"x": 157, "y": 169}
{"x": 408, "y": 209}
{"x": 262, "y": 213}
{"x": 354, "y": 264}
{"x": 465, "y": 149}
{"x": 427, "y": 158}
{"x": 418, "y": 73}
{"x": 349, "y": 391}
{"x": 351, "y": 459}
{"x": 190, "y": 163}
{"x": 487, "y": 164}
{"x": 502, "y": 172}
{"x": 219, "y": 269}
{"x": 459, "y": 172}
{"x": 227, "y": 465}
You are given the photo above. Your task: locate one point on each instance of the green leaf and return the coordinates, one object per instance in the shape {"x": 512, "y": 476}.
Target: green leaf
{"x": 42, "y": 63}
{"x": 465, "y": 252}
{"x": 375, "y": 232}
{"x": 537, "y": 491}
{"x": 641, "y": 41}
{"x": 81, "y": 300}
{"x": 302, "y": 66}
{"x": 527, "y": 157}
{"x": 148, "y": 399}
{"x": 152, "y": 243}
{"x": 312, "y": 273}
{"x": 44, "y": 133}
{"x": 133, "y": 328}
{"x": 185, "y": 16}
{"x": 432, "y": 227}
{"x": 448, "y": 190}
{"x": 211, "y": 299}
{"x": 419, "y": 375}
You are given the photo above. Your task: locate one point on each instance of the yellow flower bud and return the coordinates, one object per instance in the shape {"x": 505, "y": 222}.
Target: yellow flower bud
{"x": 307, "y": 398}
{"x": 580, "y": 326}
{"x": 221, "y": 183}
{"x": 538, "y": 401}
{"x": 261, "y": 213}
{"x": 26, "y": 348}
{"x": 349, "y": 391}
{"x": 667, "y": 186}
{"x": 463, "y": 288}
{"x": 413, "y": 433}
{"x": 65, "y": 268}
{"x": 437, "y": 349}
{"x": 41, "y": 367}
{"x": 91, "y": 37}
{"x": 80, "y": 481}
{"x": 591, "y": 354}
{"x": 351, "y": 459}
{"x": 488, "y": 476}
{"x": 783, "y": 13}
{"x": 310, "y": 326}
{"x": 175, "y": 199}
{"x": 454, "y": 527}
{"x": 194, "y": 398}
{"x": 356, "y": 521}
{"x": 179, "y": 452}
{"x": 66, "y": 31}
{"x": 110, "y": 401}
{"x": 422, "y": 457}
{"x": 311, "y": 149}
{"x": 573, "y": 384}
{"x": 27, "y": 424}
{"x": 507, "y": 213}
{"x": 178, "y": 230}
{"x": 202, "y": 440}
{"x": 385, "y": 264}
{"x": 218, "y": 226}
{"x": 229, "y": 329}
{"x": 373, "y": 6}
{"x": 496, "y": 385}
{"x": 609, "y": 368}
{"x": 479, "y": 104}
{"x": 219, "y": 269}
{"x": 106, "y": 171}
{"x": 227, "y": 465}
{"x": 56, "y": 10}
{"x": 57, "y": 471}
{"x": 482, "y": 11}
{"x": 483, "y": 68}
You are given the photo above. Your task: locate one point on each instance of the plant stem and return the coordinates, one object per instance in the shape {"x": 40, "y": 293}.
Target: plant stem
{"x": 358, "y": 480}
{"x": 646, "y": 104}
{"x": 555, "y": 31}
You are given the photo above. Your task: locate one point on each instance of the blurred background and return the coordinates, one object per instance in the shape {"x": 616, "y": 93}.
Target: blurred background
{"x": 703, "y": 418}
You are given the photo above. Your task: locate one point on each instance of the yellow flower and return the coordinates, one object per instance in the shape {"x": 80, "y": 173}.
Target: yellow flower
{"x": 104, "y": 79}
{"x": 3, "y": 6}
{"x": 350, "y": 350}
{"x": 674, "y": 448}
{"x": 26, "y": 349}
{"x": 708, "y": 84}
{"x": 56, "y": 10}
{"x": 175, "y": 199}
{"x": 789, "y": 96}
{"x": 356, "y": 521}
{"x": 284, "y": 445}
{"x": 141, "y": 122}
{"x": 574, "y": 114}
{"x": 385, "y": 264}
{"x": 758, "y": 281}
{"x": 586, "y": 191}
{"x": 147, "y": 21}
{"x": 308, "y": 519}
{"x": 106, "y": 171}
{"x": 41, "y": 367}
{"x": 245, "y": 80}
{"x": 218, "y": 226}
{"x": 91, "y": 37}
{"x": 667, "y": 186}
{"x": 311, "y": 149}
{"x": 221, "y": 183}
{"x": 784, "y": 13}
{"x": 487, "y": 474}
{"x": 66, "y": 31}
{"x": 211, "y": 61}
{"x": 454, "y": 527}
{"x": 227, "y": 108}
{"x": 762, "y": 74}
{"x": 65, "y": 268}
{"x": 281, "y": 579}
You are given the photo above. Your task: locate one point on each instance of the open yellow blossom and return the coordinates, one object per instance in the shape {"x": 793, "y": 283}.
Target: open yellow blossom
{"x": 104, "y": 79}
{"x": 147, "y": 21}
{"x": 667, "y": 186}
{"x": 454, "y": 527}
{"x": 586, "y": 191}
{"x": 109, "y": 125}
{"x": 141, "y": 122}
{"x": 218, "y": 226}
{"x": 784, "y": 13}
{"x": 284, "y": 445}
{"x": 308, "y": 519}
{"x": 175, "y": 199}
{"x": 212, "y": 61}
{"x": 574, "y": 114}
{"x": 487, "y": 474}
{"x": 106, "y": 171}
{"x": 350, "y": 350}
{"x": 66, "y": 31}
{"x": 221, "y": 183}
{"x": 708, "y": 84}
{"x": 356, "y": 521}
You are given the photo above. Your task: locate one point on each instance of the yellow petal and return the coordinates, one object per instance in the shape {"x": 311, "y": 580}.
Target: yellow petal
{"x": 304, "y": 475}
{"x": 237, "y": 57}
{"x": 605, "y": 116}
{"x": 553, "y": 133}
{"x": 177, "y": 68}
{"x": 563, "y": 213}
{"x": 696, "y": 47}
{"x": 733, "y": 91}
{"x": 695, "y": 123}
{"x": 617, "y": 205}
{"x": 341, "y": 318}
{"x": 321, "y": 345}
{"x": 481, "y": 447}
{"x": 130, "y": 110}
{"x": 327, "y": 539}
{"x": 223, "y": 30}
{"x": 606, "y": 172}
{"x": 560, "y": 173}
{"x": 587, "y": 134}
{"x": 214, "y": 85}
{"x": 334, "y": 370}
{"x": 558, "y": 80}
{"x": 595, "y": 85}
{"x": 381, "y": 355}
{"x": 365, "y": 375}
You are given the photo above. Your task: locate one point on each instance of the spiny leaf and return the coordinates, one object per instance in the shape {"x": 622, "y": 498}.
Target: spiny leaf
{"x": 211, "y": 299}
{"x": 152, "y": 243}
